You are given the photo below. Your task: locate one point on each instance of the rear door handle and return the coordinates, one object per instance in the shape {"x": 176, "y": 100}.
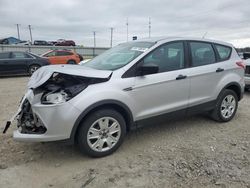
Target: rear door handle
{"x": 180, "y": 77}
{"x": 219, "y": 70}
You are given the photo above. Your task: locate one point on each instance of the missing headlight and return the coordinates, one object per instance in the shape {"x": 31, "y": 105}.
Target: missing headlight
{"x": 63, "y": 87}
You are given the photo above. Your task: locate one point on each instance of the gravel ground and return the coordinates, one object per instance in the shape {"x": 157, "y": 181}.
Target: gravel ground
{"x": 192, "y": 152}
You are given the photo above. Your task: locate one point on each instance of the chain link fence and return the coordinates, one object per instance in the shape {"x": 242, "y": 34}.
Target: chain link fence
{"x": 86, "y": 52}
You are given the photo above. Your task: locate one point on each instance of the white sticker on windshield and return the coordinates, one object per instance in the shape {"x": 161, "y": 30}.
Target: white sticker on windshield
{"x": 139, "y": 49}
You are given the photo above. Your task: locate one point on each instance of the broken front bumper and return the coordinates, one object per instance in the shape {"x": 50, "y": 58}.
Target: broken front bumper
{"x": 42, "y": 123}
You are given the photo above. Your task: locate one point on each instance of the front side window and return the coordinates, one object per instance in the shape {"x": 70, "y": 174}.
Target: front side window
{"x": 167, "y": 57}
{"x": 119, "y": 56}
{"x": 223, "y": 51}
{"x": 202, "y": 53}
{"x": 18, "y": 55}
{"x": 50, "y": 54}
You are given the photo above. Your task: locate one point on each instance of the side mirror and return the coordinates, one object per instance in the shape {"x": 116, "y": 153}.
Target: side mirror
{"x": 147, "y": 69}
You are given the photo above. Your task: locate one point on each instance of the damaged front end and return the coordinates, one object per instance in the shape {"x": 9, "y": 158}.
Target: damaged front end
{"x": 28, "y": 122}
{"x": 58, "y": 89}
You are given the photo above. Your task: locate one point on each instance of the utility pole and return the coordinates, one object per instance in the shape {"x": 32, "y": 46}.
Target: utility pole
{"x": 18, "y": 33}
{"x": 94, "y": 32}
{"x": 127, "y": 29}
{"x": 31, "y": 40}
{"x": 111, "y": 36}
{"x": 149, "y": 27}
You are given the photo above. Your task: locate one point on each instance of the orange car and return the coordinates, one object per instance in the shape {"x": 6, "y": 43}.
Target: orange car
{"x": 62, "y": 57}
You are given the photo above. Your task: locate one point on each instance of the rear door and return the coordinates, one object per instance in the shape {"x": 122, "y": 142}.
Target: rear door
{"x": 205, "y": 73}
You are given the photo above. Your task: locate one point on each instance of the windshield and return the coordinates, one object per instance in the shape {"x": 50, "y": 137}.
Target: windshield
{"x": 118, "y": 56}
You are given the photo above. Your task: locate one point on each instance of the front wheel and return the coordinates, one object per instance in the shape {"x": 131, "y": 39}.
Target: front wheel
{"x": 226, "y": 106}
{"x": 101, "y": 133}
{"x": 33, "y": 68}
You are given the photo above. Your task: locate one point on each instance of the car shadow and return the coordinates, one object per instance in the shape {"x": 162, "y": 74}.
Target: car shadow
{"x": 13, "y": 76}
{"x": 64, "y": 151}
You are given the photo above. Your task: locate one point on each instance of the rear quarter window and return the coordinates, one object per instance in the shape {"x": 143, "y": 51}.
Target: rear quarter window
{"x": 224, "y": 52}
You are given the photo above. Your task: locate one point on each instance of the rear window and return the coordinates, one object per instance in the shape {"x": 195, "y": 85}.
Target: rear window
{"x": 4, "y": 55}
{"x": 223, "y": 51}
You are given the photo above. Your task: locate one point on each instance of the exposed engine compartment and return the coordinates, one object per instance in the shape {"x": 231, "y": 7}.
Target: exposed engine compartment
{"x": 62, "y": 87}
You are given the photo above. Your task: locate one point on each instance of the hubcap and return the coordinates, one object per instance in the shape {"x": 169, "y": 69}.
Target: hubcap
{"x": 228, "y": 106}
{"x": 104, "y": 134}
{"x": 33, "y": 69}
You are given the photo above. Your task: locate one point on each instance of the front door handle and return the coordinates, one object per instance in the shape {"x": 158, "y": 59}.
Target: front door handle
{"x": 219, "y": 70}
{"x": 180, "y": 77}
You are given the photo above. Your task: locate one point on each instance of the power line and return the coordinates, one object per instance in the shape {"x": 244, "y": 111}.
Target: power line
{"x": 31, "y": 40}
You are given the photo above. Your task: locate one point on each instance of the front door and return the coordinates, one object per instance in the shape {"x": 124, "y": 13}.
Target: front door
{"x": 165, "y": 91}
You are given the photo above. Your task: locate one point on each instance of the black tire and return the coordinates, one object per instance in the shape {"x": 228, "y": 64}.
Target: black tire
{"x": 33, "y": 68}
{"x": 82, "y": 133}
{"x": 217, "y": 112}
{"x": 71, "y": 62}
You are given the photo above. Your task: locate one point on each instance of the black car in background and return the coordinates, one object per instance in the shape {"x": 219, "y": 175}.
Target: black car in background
{"x": 20, "y": 63}
{"x": 42, "y": 43}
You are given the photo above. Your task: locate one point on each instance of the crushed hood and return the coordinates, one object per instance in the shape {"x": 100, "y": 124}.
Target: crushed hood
{"x": 44, "y": 73}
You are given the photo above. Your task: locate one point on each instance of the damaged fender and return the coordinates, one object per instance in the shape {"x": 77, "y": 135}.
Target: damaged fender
{"x": 53, "y": 84}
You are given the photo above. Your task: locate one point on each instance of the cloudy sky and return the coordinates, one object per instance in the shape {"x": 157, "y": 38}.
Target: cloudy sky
{"x": 227, "y": 20}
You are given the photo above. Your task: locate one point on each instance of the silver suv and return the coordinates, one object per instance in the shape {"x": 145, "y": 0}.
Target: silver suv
{"x": 96, "y": 104}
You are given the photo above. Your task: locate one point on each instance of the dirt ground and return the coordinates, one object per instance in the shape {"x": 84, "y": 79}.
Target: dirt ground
{"x": 191, "y": 152}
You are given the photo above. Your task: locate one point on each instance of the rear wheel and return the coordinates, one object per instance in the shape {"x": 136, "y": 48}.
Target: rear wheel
{"x": 33, "y": 68}
{"x": 72, "y": 62}
{"x": 101, "y": 133}
{"x": 226, "y": 106}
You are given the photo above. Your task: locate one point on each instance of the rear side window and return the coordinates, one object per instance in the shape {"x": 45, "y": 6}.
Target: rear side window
{"x": 223, "y": 51}
{"x": 5, "y": 55}
{"x": 202, "y": 53}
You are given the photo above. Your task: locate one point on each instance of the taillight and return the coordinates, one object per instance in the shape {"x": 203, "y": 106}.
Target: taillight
{"x": 241, "y": 64}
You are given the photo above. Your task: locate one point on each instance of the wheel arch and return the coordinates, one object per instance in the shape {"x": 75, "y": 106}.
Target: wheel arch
{"x": 234, "y": 86}
{"x": 71, "y": 60}
{"x": 122, "y": 108}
